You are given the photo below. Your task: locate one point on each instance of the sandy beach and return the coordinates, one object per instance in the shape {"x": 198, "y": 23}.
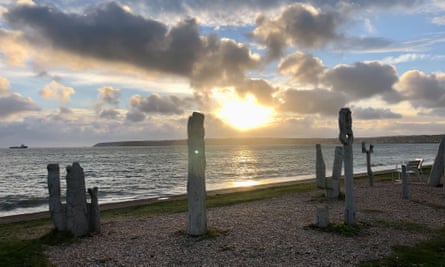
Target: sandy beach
{"x": 271, "y": 232}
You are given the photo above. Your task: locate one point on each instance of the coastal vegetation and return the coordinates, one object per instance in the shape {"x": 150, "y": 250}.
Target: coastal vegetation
{"x": 23, "y": 243}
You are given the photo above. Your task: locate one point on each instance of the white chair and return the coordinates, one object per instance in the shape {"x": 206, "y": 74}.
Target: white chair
{"x": 413, "y": 167}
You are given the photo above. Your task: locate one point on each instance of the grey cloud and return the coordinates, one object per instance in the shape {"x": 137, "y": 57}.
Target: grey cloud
{"x": 423, "y": 90}
{"x": 108, "y": 32}
{"x": 109, "y": 96}
{"x": 363, "y": 80}
{"x": 15, "y": 104}
{"x": 135, "y": 116}
{"x": 301, "y": 25}
{"x": 224, "y": 64}
{"x": 157, "y": 104}
{"x": 110, "y": 114}
{"x": 374, "y": 113}
{"x": 302, "y": 67}
{"x": 261, "y": 89}
{"x": 313, "y": 101}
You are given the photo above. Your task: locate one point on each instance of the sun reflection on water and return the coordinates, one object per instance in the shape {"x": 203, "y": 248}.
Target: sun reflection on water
{"x": 245, "y": 183}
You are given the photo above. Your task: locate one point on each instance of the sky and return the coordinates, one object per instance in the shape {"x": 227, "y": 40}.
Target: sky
{"x": 76, "y": 72}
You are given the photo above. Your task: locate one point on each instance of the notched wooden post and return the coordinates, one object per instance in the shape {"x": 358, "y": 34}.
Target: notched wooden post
{"x": 346, "y": 137}
{"x": 196, "y": 188}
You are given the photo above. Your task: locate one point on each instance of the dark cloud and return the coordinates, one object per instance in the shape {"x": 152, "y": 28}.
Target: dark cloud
{"x": 108, "y": 32}
{"x": 363, "y": 80}
{"x": 374, "y": 113}
{"x": 224, "y": 64}
{"x": 313, "y": 101}
{"x": 167, "y": 105}
{"x": 423, "y": 90}
{"x": 301, "y": 25}
{"x": 15, "y": 104}
{"x": 303, "y": 68}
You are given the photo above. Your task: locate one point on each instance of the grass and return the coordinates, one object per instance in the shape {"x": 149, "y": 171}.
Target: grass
{"x": 426, "y": 253}
{"x": 340, "y": 228}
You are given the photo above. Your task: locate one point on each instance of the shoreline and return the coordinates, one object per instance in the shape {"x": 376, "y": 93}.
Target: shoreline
{"x": 138, "y": 202}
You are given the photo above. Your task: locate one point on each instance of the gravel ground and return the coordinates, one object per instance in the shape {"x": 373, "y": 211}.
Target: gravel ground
{"x": 270, "y": 232}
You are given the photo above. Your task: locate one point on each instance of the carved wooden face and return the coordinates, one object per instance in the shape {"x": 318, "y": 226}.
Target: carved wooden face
{"x": 345, "y": 124}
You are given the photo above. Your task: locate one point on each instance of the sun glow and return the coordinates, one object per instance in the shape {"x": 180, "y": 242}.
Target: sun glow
{"x": 242, "y": 113}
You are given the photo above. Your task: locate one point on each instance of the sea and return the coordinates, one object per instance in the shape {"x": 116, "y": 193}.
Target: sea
{"x": 133, "y": 173}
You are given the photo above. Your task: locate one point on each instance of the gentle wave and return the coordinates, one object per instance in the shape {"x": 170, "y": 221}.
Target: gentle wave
{"x": 130, "y": 173}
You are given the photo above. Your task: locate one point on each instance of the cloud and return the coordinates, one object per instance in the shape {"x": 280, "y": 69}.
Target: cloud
{"x": 4, "y": 86}
{"x": 303, "y": 68}
{"x": 110, "y": 33}
{"x": 374, "y": 113}
{"x": 14, "y": 48}
{"x": 363, "y": 80}
{"x": 167, "y": 105}
{"x": 107, "y": 33}
{"x": 404, "y": 58}
{"x": 261, "y": 89}
{"x": 55, "y": 90}
{"x": 302, "y": 25}
{"x": 224, "y": 64}
{"x": 317, "y": 101}
{"x": 107, "y": 101}
{"x": 439, "y": 20}
{"x": 15, "y": 104}
{"x": 422, "y": 90}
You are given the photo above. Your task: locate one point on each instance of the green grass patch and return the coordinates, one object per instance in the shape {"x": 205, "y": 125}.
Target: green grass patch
{"x": 404, "y": 225}
{"x": 426, "y": 253}
{"x": 340, "y": 228}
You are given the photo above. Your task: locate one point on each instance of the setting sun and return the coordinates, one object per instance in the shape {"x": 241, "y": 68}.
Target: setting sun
{"x": 242, "y": 113}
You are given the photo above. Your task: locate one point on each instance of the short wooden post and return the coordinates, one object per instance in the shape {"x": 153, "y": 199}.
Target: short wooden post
{"x": 333, "y": 185}
{"x": 320, "y": 167}
{"x": 346, "y": 137}
{"x": 94, "y": 212}
{"x": 196, "y": 188}
{"x": 56, "y": 209}
{"x": 405, "y": 194}
{"x": 368, "y": 162}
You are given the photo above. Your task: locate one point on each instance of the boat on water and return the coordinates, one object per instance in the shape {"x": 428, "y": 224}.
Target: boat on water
{"x": 22, "y": 146}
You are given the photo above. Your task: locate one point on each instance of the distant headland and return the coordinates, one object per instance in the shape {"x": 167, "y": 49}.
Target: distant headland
{"x": 405, "y": 139}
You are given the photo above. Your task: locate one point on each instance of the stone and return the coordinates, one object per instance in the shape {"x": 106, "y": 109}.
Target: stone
{"x": 333, "y": 185}
{"x": 322, "y": 216}
{"x": 437, "y": 170}
{"x": 76, "y": 205}
{"x": 196, "y": 188}
{"x": 320, "y": 167}
{"x": 56, "y": 209}
{"x": 346, "y": 137}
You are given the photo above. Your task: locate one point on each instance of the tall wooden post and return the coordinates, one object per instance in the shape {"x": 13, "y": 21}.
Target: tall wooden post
{"x": 405, "y": 194}
{"x": 196, "y": 188}
{"x": 76, "y": 203}
{"x": 346, "y": 137}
